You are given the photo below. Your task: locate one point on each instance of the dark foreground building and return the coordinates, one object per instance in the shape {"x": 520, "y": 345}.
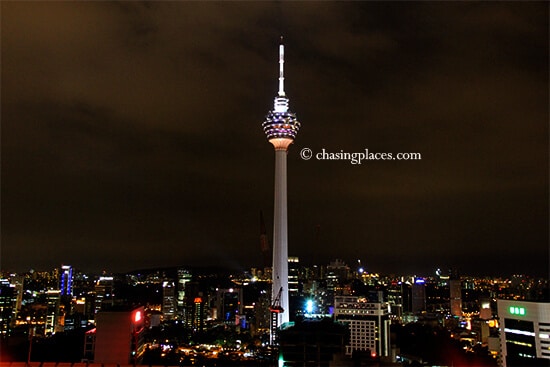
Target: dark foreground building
{"x": 312, "y": 343}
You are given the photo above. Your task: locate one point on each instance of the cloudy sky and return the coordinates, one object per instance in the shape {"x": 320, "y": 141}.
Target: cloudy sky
{"x": 131, "y": 133}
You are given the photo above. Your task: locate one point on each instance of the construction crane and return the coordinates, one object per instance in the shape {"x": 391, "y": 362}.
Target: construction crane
{"x": 276, "y": 305}
{"x": 275, "y": 310}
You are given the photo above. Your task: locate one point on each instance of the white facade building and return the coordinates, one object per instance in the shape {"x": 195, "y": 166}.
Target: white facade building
{"x": 369, "y": 324}
{"x": 524, "y": 332}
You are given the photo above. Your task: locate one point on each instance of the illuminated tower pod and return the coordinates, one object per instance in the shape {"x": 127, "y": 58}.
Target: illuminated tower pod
{"x": 281, "y": 128}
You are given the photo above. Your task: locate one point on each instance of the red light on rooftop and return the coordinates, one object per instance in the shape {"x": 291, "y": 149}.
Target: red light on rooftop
{"x": 198, "y": 300}
{"x": 137, "y": 316}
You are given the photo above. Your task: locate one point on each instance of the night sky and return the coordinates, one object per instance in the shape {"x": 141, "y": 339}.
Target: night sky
{"x": 132, "y": 138}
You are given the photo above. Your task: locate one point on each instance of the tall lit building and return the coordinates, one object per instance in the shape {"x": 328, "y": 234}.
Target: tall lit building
{"x": 103, "y": 293}
{"x": 524, "y": 333}
{"x": 368, "y": 322}
{"x": 418, "y": 295}
{"x": 229, "y": 305}
{"x": 8, "y": 300}
{"x": 53, "y": 299}
{"x": 66, "y": 280}
{"x": 168, "y": 299}
{"x": 455, "y": 290}
{"x": 281, "y": 128}
{"x": 119, "y": 336}
{"x": 184, "y": 276}
{"x": 196, "y": 303}
{"x": 293, "y": 276}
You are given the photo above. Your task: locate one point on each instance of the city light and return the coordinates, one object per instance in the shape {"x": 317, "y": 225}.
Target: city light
{"x": 309, "y": 306}
{"x": 281, "y": 361}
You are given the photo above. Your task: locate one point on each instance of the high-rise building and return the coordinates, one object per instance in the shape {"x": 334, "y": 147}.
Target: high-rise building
{"x": 66, "y": 280}
{"x": 195, "y": 313}
{"x": 280, "y": 127}
{"x": 485, "y": 311}
{"x": 455, "y": 289}
{"x": 368, "y": 322}
{"x": 104, "y": 295}
{"x": 53, "y": 299}
{"x": 261, "y": 319}
{"x": 119, "y": 336}
{"x": 524, "y": 333}
{"x": 18, "y": 282}
{"x": 418, "y": 295}
{"x": 229, "y": 305}
{"x": 168, "y": 299}
{"x": 395, "y": 299}
{"x": 293, "y": 276}
{"x": 8, "y": 301}
{"x": 184, "y": 276}
{"x": 337, "y": 271}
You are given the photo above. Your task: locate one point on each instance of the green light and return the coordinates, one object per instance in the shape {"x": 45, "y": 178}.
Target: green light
{"x": 517, "y": 310}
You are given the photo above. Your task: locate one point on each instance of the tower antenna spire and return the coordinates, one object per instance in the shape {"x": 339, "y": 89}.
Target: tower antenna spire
{"x": 281, "y": 68}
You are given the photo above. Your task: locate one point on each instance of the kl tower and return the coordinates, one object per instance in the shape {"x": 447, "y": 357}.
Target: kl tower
{"x": 281, "y": 128}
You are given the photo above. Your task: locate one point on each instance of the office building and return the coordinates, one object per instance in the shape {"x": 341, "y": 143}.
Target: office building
{"x": 184, "y": 276}
{"x": 8, "y": 301}
{"x": 119, "y": 336}
{"x": 368, "y": 322}
{"x": 229, "y": 305}
{"x": 169, "y": 300}
{"x": 455, "y": 289}
{"x": 524, "y": 333}
{"x": 53, "y": 301}
{"x": 66, "y": 280}
{"x": 104, "y": 293}
{"x": 196, "y": 307}
{"x": 418, "y": 295}
{"x": 293, "y": 276}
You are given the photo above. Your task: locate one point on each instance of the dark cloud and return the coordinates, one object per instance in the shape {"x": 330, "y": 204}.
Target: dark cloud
{"x": 131, "y": 133}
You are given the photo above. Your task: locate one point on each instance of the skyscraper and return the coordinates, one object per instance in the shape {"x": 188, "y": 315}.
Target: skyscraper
{"x": 419, "y": 295}
{"x": 455, "y": 290}
{"x": 184, "y": 276}
{"x": 66, "y": 281}
{"x": 281, "y": 128}
{"x": 169, "y": 300}
{"x": 8, "y": 300}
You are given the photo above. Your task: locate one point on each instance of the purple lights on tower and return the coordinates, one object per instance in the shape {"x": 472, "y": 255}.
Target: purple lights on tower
{"x": 281, "y": 125}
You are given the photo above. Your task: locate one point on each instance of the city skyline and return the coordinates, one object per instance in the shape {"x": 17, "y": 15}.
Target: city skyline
{"x": 131, "y": 134}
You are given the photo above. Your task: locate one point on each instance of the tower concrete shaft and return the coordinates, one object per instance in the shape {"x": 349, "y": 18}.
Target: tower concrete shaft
{"x": 280, "y": 236}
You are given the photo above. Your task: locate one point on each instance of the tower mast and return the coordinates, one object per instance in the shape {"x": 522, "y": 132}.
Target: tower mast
{"x": 281, "y": 69}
